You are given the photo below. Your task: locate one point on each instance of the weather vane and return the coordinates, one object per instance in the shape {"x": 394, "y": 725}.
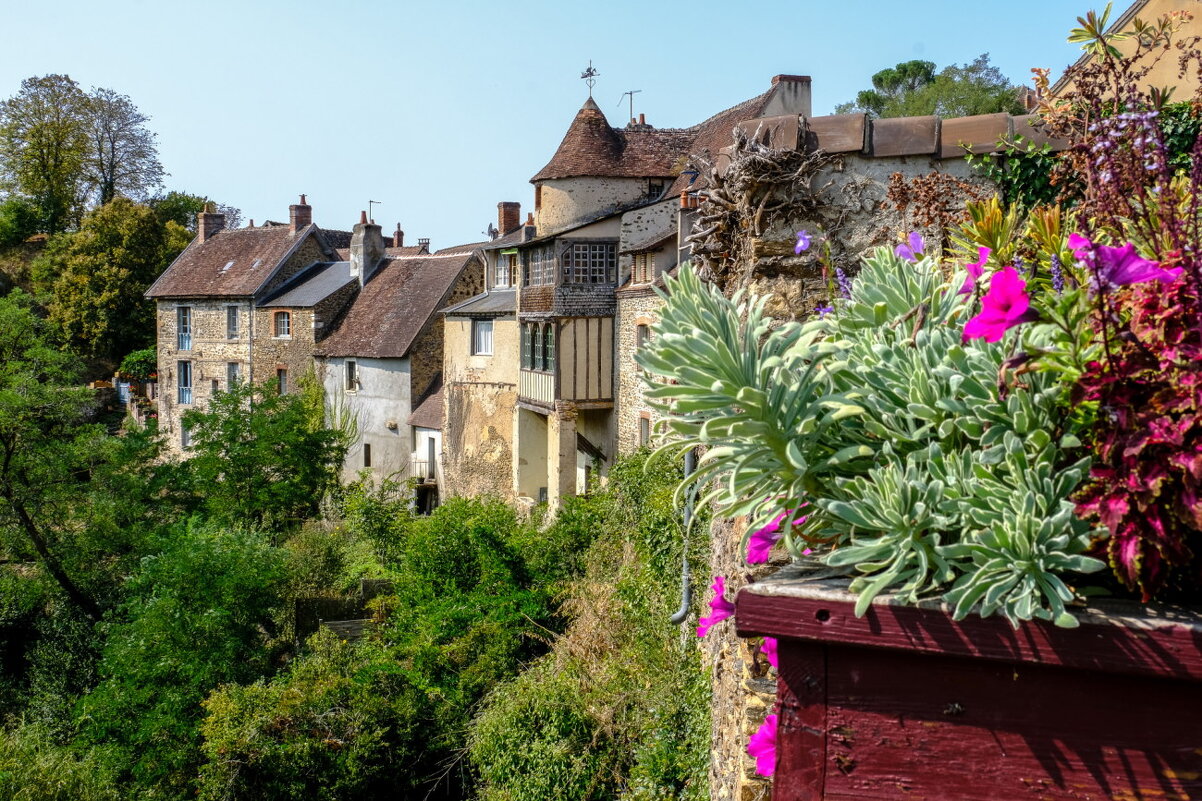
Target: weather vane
{"x": 590, "y": 77}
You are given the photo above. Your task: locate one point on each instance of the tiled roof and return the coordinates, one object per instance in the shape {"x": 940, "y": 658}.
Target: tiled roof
{"x": 393, "y": 307}
{"x": 592, "y": 147}
{"x": 312, "y": 285}
{"x": 232, "y": 263}
{"x": 716, "y": 133}
{"x": 344, "y": 251}
{"x": 514, "y": 237}
{"x": 468, "y": 248}
{"x": 428, "y": 413}
{"x": 498, "y": 301}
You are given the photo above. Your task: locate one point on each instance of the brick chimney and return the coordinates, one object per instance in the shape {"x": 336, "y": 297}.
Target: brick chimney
{"x": 208, "y": 222}
{"x": 509, "y": 216}
{"x": 367, "y": 249}
{"x": 398, "y": 237}
{"x": 300, "y": 215}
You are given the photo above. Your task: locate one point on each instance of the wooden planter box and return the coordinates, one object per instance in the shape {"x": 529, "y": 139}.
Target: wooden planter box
{"x": 904, "y": 703}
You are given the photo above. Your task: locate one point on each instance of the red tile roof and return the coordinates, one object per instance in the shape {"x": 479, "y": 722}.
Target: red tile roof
{"x": 428, "y": 413}
{"x": 233, "y": 263}
{"x": 391, "y": 310}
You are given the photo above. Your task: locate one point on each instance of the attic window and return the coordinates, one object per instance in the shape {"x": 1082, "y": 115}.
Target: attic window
{"x": 257, "y": 262}
{"x": 227, "y": 266}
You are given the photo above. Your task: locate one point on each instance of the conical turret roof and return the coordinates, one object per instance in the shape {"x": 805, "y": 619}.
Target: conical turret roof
{"x": 590, "y": 147}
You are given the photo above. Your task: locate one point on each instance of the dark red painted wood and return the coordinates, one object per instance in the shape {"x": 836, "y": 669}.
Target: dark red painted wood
{"x": 1118, "y": 637}
{"x": 906, "y": 704}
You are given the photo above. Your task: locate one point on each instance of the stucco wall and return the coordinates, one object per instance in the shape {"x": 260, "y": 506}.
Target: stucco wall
{"x": 480, "y": 394}
{"x": 567, "y": 201}
{"x": 382, "y": 397}
{"x": 641, "y": 226}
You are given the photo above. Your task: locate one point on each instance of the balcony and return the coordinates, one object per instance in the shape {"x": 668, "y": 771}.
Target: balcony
{"x": 537, "y": 386}
{"x": 424, "y": 470}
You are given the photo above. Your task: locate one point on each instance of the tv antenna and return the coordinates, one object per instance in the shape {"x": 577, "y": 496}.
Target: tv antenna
{"x": 631, "y": 93}
{"x": 590, "y": 77}
{"x": 370, "y": 203}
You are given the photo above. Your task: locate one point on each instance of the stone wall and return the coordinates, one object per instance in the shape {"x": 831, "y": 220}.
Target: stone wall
{"x": 426, "y": 354}
{"x": 210, "y": 354}
{"x": 635, "y": 307}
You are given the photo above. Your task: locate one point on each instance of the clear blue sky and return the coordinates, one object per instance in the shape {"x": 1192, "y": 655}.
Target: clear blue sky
{"x": 439, "y": 109}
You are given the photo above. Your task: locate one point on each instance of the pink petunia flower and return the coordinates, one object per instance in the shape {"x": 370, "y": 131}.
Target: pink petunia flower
{"x": 975, "y": 270}
{"x": 1004, "y": 306}
{"x": 762, "y": 747}
{"x": 720, "y": 608}
{"x": 1119, "y": 266}
{"x": 911, "y": 250}
{"x": 759, "y": 545}
{"x": 769, "y": 649}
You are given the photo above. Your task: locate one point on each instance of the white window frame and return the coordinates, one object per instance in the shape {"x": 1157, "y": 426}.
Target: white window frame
{"x": 183, "y": 373}
{"x": 183, "y": 328}
{"x": 286, "y": 318}
{"x": 482, "y": 329}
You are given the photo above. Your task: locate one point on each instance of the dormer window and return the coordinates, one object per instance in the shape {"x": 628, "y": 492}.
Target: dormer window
{"x": 590, "y": 263}
{"x": 283, "y": 324}
{"x": 506, "y": 262}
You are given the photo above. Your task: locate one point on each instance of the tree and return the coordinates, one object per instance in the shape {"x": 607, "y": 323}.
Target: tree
{"x": 46, "y": 446}
{"x": 43, "y": 145}
{"x": 913, "y": 89}
{"x": 181, "y": 208}
{"x": 122, "y": 157}
{"x": 101, "y": 276}
{"x": 263, "y": 458}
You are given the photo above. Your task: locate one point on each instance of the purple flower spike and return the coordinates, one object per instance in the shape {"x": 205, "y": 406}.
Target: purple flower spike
{"x": 912, "y": 250}
{"x": 762, "y": 747}
{"x": 769, "y": 649}
{"x": 1004, "y": 306}
{"x": 975, "y": 270}
{"x": 1116, "y": 267}
{"x": 803, "y": 242}
{"x": 720, "y": 608}
{"x": 1057, "y": 275}
{"x": 824, "y": 310}
{"x": 843, "y": 282}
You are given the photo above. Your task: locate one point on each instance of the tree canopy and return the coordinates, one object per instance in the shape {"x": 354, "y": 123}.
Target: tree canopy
{"x": 914, "y": 88}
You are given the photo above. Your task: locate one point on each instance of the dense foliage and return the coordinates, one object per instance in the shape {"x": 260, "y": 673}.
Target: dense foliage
{"x": 914, "y": 89}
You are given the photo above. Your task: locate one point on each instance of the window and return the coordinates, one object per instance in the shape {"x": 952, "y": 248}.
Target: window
{"x": 233, "y": 374}
{"x": 590, "y": 263}
{"x": 231, "y": 322}
{"x": 214, "y": 386}
{"x": 538, "y": 266}
{"x": 185, "y": 437}
{"x": 643, "y": 269}
{"x": 352, "y": 375}
{"x": 549, "y": 347}
{"x": 642, "y": 335}
{"x": 184, "y": 371}
{"x": 281, "y": 379}
{"x": 481, "y": 337}
{"x": 283, "y": 324}
{"x": 505, "y": 268}
{"x": 527, "y": 345}
{"x": 644, "y": 430}
{"x": 366, "y": 455}
{"x": 537, "y": 347}
{"x": 183, "y": 327}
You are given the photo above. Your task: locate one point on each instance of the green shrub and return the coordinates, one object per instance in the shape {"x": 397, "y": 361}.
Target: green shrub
{"x": 34, "y": 768}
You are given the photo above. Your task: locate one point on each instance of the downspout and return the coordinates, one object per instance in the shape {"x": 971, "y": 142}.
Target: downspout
{"x": 250, "y": 346}
{"x": 686, "y": 592}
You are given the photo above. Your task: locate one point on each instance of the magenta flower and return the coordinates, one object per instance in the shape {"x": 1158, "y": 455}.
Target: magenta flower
{"x": 762, "y": 747}
{"x": 975, "y": 270}
{"x": 759, "y": 545}
{"x": 1119, "y": 266}
{"x": 769, "y": 650}
{"x": 1004, "y": 306}
{"x": 913, "y": 250}
{"x": 720, "y": 608}
{"x": 803, "y": 242}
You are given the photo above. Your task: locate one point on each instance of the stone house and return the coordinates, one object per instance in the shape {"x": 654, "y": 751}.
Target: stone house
{"x": 230, "y": 309}
{"x": 381, "y": 365}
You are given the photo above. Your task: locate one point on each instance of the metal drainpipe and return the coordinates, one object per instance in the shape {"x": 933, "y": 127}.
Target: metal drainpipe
{"x": 686, "y": 592}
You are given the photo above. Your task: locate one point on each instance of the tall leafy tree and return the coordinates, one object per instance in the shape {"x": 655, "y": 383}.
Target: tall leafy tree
{"x": 914, "y": 88}
{"x": 43, "y": 146}
{"x": 101, "y": 275}
{"x": 122, "y": 157}
{"x": 46, "y": 447}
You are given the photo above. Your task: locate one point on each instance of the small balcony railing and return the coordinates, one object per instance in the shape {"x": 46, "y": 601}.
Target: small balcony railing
{"x": 424, "y": 470}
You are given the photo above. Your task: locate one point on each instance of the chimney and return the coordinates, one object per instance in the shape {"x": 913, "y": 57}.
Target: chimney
{"x": 300, "y": 215}
{"x": 528, "y": 231}
{"x": 208, "y": 222}
{"x": 367, "y": 249}
{"x": 790, "y": 94}
{"x": 509, "y": 216}
{"x": 398, "y": 237}
{"x": 424, "y": 244}
{"x": 642, "y": 119}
